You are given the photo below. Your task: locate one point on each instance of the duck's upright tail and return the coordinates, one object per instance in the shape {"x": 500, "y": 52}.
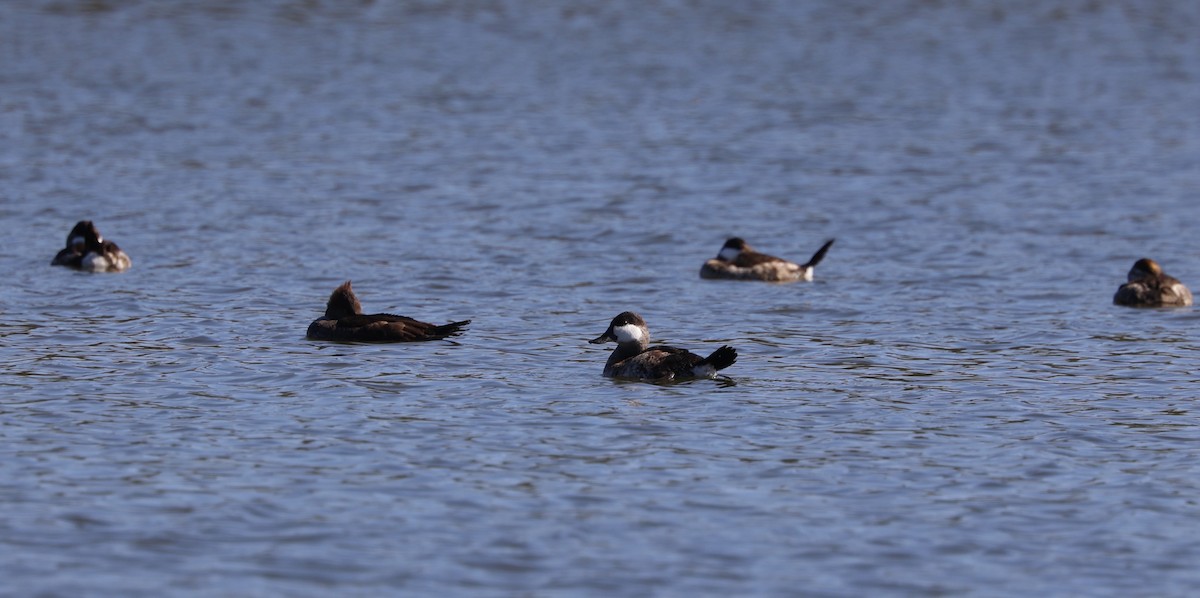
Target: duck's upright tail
{"x": 819, "y": 255}
{"x": 719, "y": 359}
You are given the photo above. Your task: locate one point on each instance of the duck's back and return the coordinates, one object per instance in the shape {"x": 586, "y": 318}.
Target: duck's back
{"x": 663, "y": 363}
{"x": 68, "y": 257}
{"x": 380, "y": 328}
{"x": 109, "y": 258}
{"x": 1153, "y": 291}
{"x": 655, "y": 363}
{"x": 773, "y": 270}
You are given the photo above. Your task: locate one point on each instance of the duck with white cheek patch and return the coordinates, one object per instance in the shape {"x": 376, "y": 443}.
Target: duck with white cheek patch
{"x": 635, "y": 359}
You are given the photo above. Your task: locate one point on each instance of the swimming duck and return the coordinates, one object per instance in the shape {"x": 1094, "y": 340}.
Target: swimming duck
{"x": 344, "y": 321}
{"x": 86, "y": 250}
{"x": 634, "y": 357}
{"x": 1149, "y": 286}
{"x": 738, "y": 261}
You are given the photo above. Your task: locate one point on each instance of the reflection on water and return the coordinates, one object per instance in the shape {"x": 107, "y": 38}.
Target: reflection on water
{"x": 953, "y": 406}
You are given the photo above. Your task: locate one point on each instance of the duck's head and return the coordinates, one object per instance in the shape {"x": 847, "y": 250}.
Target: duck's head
{"x": 732, "y": 249}
{"x": 342, "y": 302}
{"x": 626, "y": 328}
{"x": 83, "y": 236}
{"x": 1143, "y": 268}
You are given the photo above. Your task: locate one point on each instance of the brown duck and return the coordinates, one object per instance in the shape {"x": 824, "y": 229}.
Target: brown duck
{"x": 1149, "y": 286}
{"x": 86, "y": 250}
{"x": 344, "y": 321}
{"x": 635, "y": 359}
{"x": 738, "y": 261}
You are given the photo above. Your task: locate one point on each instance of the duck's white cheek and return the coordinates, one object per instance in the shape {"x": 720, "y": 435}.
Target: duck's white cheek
{"x": 729, "y": 254}
{"x": 627, "y": 333}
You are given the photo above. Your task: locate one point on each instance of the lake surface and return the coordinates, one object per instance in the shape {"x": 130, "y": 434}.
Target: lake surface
{"x": 953, "y": 407}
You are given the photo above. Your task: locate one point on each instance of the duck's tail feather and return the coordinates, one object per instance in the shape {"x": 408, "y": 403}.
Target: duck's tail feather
{"x": 720, "y": 359}
{"x": 450, "y": 329}
{"x": 819, "y": 255}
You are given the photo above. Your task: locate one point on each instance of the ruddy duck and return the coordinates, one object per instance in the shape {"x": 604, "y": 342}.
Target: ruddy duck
{"x": 634, "y": 358}
{"x": 345, "y": 321}
{"x": 1149, "y": 286}
{"x": 738, "y": 261}
{"x": 87, "y": 250}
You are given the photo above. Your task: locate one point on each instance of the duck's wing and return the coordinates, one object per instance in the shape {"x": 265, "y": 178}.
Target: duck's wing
{"x": 1174, "y": 292}
{"x": 749, "y": 259}
{"x": 393, "y": 328}
{"x": 715, "y": 268}
{"x": 108, "y": 258}
{"x": 1135, "y": 294}
{"x": 68, "y": 257}
{"x": 664, "y": 363}
{"x": 1153, "y": 291}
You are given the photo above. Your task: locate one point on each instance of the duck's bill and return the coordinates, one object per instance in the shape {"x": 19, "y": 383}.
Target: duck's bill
{"x": 603, "y": 338}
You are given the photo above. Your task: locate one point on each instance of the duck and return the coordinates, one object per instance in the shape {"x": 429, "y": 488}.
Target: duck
{"x": 344, "y": 321}
{"x": 738, "y": 261}
{"x": 635, "y": 359}
{"x": 1149, "y": 286}
{"x": 86, "y": 250}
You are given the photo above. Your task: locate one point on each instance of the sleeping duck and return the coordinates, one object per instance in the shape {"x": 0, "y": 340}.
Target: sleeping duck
{"x": 1149, "y": 286}
{"x": 345, "y": 321}
{"x": 738, "y": 261}
{"x": 86, "y": 250}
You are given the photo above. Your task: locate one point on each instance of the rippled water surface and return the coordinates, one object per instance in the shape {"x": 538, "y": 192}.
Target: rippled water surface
{"x": 953, "y": 407}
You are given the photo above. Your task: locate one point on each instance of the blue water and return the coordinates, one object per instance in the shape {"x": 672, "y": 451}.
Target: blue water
{"x": 952, "y": 407}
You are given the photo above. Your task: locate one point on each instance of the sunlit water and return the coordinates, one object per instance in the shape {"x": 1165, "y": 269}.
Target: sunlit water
{"x": 953, "y": 407}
